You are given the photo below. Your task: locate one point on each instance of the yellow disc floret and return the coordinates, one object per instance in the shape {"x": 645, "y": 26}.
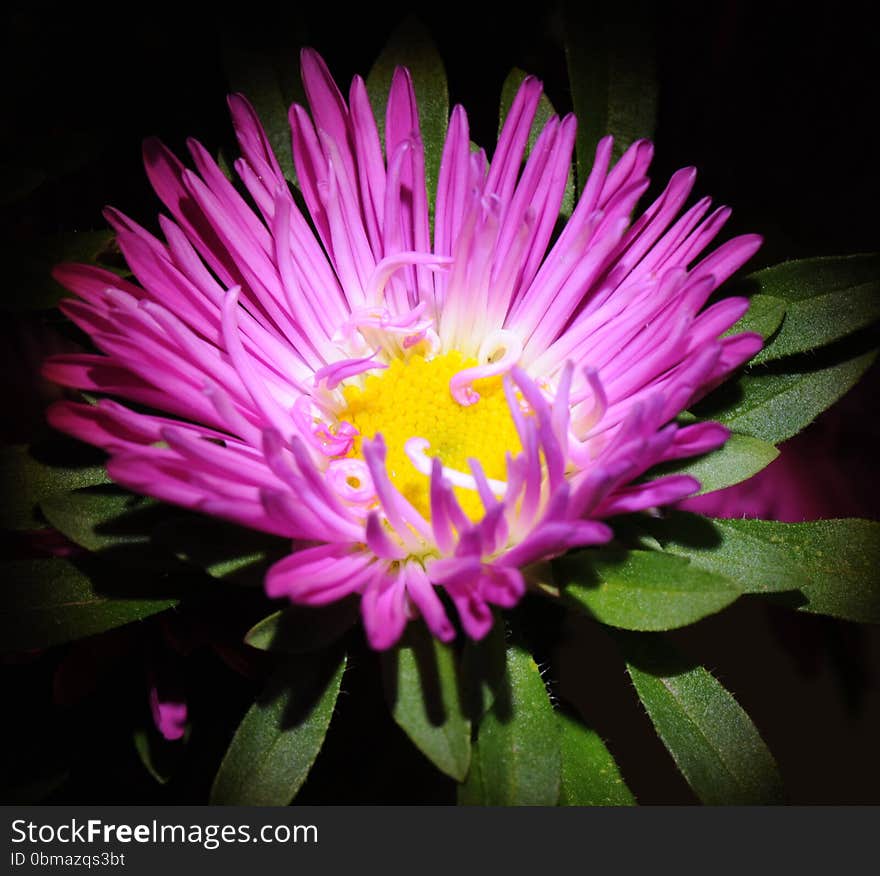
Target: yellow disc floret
{"x": 411, "y": 399}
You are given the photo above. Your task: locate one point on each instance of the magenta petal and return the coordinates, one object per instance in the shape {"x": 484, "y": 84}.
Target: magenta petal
{"x": 383, "y": 608}
{"x": 169, "y": 715}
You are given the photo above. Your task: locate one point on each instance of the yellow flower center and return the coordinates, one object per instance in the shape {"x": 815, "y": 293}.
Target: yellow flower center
{"x": 411, "y": 399}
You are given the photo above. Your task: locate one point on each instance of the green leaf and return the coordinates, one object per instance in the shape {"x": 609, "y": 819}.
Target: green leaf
{"x": 612, "y": 76}
{"x": 520, "y": 759}
{"x": 641, "y": 590}
{"x": 764, "y": 316}
{"x": 411, "y": 46}
{"x": 825, "y": 300}
{"x": 741, "y": 457}
{"x": 834, "y": 563}
{"x": 101, "y": 516}
{"x": 108, "y": 519}
{"x": 144, "y": 747}
{"x": 472, "y": 791}
{"x": 299, "y": 629}
{"x": 29, "y": 284}
{"x": 712, "y": 740}
{"x": 590, "y": 777}
{"x": 26, "y": 480}
{"x": 421, "y": 687}
{"x": 281, "y": 735}
{"x": 132, "y": 530}
{"x": 544, "y": 113}
{"x": 842, "y": 558}
{"x": 774, "y": 405}
{"x": 741, "y": 550}
{"x": 223, "y": 549}
{"x": 484, "y": 671}
{"x": 159, "y": 757}
{"x": 50, "y": 601}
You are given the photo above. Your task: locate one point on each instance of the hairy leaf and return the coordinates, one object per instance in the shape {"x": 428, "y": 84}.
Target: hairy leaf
{"x": 732, "y": 548}
{"x": 26, "y": 480}
{"x": 825, "y": 299}
{"x": 641, "y": 590}
{"x": 422, "y": 690}
{"x": 280, "y": 737}
{"x": 773, "y": 404}
{"x": 102, "y": 516}
{"x": 472, "y": 791}
{"x": 741, "y": 457}
{"x": 520, "y": 759}
{"x": 834, "y": 563}
{"x": 50, "y": 601}
{"x": 590, "y": 777}
{"x": 712, "y": 740}
{"x": 764, "y": 316}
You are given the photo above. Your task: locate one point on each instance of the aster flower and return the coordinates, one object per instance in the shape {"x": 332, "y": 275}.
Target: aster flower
{"x": 419, "y": 411}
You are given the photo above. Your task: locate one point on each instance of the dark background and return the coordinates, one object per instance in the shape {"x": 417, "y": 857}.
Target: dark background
{"x": 775, "y": 106}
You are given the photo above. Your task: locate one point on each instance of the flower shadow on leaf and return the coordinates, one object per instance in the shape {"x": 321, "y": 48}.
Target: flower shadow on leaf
{"x": 300, "y": 629}
{"x": 425, "y": 658}
{"x": 483, "y": 680}
{"x": 301, "y": 681}
{"x": 698, "y": 539}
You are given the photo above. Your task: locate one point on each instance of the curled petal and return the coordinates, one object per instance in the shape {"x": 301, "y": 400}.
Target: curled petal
{"x": 499, "y": 353}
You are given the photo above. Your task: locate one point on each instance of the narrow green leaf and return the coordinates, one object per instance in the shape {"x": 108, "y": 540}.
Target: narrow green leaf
{"x": 411, "y": 46}
{"x": 158, "y": 757}
{"x": 612, "y": 76}
{"x": 520, "y": 759}
{"x": 590, "y": 776}
{"x": 49, "y": 601}
{"x": 764, "y": 316}
{"x": 101, "y": 516}
{"x": 806, "y": 278}
{"x": 774, "y": 405}
{"x": 825, "y": 298}
{"x": 224, "y": 550}
{"x": 472, "y": 791}
{"x": 736, "y": 549}
{"x": 422, "y": 690}
{"x": 741, "y": 457}
{"x": 26, "y": 480}
{"x": 299, "y": 629}
{"x": 111, "y": 520}
{"x": 281, "y": 735}
{"x": 484, "y": 671}
{"x": 544, "y": 113}
{"x": 641, "y": 590}
{"x": 834, "y": 563}
{"x": 842, "y": 558}
{"x": 712, "y": 740}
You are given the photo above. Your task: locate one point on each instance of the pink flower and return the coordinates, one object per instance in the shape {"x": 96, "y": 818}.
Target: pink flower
{"x": 429, "y": 412}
